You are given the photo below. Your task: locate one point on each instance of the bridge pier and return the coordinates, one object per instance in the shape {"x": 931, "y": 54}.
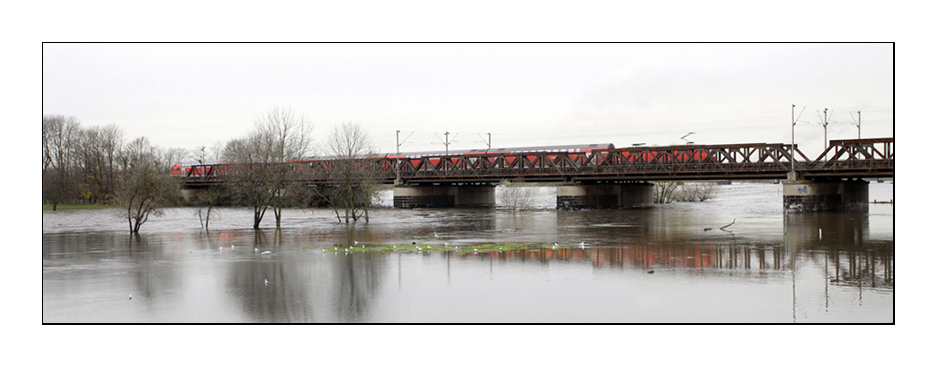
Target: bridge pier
{"x": 444, "y": 196}
{"x": 825, "y": 195}
{"x": 603, "y": 196}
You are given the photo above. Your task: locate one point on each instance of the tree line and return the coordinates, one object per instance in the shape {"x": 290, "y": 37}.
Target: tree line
{"x": 96, "y": 166}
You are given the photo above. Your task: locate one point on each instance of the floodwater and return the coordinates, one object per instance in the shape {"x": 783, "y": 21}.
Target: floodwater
{"x": 655, "y": 265}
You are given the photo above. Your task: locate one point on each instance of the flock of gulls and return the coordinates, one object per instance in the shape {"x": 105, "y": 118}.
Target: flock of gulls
{"x": 420, "y": 248}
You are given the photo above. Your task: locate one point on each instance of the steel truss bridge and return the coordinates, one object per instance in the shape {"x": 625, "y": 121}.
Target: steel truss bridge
{"x": 851, "y": 158}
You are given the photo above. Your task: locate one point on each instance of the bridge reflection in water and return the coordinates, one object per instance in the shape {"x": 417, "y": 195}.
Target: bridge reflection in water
{"x": 839, "y": 241}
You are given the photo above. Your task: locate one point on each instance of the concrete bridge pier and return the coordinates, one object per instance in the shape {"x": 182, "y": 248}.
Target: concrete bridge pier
{"x": 801, "y": 195}
{"x": 603, "y": 196}
{"x": 444, "y": 196}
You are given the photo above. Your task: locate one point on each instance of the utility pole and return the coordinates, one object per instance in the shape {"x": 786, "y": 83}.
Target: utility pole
{"x": 446, "y": 142}
{"x": 397, "y": 167}
{"x": 825, "y": 129}
{"x": 489, "y": 144}
{"x": 858, "y": 123}
{"x": 824, "y": 123}
{"x": 793, "y": 122}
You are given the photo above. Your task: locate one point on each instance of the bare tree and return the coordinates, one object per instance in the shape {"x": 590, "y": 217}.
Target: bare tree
{"x": 264, "y": 158}
{"x": 209, "y": 199}
{"x": 352, "y": 174}
{"x": 665, "y": 192}
{"x": 516, "y": 197}
{"x": 146, "y": 186}
{"x": 97, "y": 156}
{"x": 697, "y": 191}
{"x": 60, "y": 136}
{"x": 670, "y": 191}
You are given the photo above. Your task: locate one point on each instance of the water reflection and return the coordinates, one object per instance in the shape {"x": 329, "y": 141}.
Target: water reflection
{"x": 850, "y": 257}
{"x": 659, "y": 264}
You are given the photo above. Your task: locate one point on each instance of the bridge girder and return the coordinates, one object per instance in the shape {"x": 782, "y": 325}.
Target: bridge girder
{"x": 850, "y": 159}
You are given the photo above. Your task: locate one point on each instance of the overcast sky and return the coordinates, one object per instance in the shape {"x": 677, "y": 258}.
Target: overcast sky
{"x": 190, "y": 95}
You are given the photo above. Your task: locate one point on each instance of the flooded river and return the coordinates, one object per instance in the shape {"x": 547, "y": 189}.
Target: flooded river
{"x": 655, "y": 265}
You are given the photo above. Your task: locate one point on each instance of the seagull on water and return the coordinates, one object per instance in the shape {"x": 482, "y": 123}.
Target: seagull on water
{"x": 131, "y": 297}
{"x": 265, "y": 282}
{"x": 255, "y": 249}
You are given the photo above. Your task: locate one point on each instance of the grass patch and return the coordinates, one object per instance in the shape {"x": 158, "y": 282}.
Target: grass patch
{"x": 77, "y": 207}
{"x": 412, "y": 247}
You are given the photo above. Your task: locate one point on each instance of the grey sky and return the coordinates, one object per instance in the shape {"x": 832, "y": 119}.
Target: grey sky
{"x": 188, "y": 95}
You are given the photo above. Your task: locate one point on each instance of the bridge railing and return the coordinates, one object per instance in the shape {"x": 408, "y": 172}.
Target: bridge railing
{"x": 677, "y": 161}
{"x": 856, "y": 155}
{"x": 753, "y": 160}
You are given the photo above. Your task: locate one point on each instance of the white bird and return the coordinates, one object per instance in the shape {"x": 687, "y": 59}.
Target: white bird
{"x": 266, "y": 252}
{"x": 255, "y": 250}
{"x": 265, "y": 282}
{"x": 232, "y": 246}
{"x": 131, "y": 297}
{"x": 434, "y": 235}
{"x": 219, "y": 247}
{"x": 356, "y": 242}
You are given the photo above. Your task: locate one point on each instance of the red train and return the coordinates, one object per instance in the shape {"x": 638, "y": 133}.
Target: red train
{"x": 679, "y": 154}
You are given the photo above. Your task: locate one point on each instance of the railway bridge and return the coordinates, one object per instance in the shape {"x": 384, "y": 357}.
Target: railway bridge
{"x": 617, "y": 178}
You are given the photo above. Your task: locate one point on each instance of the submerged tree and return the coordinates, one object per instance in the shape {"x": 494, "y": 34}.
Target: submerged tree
{"x": 697, "y": 191}
{"x": 670, "y": 191}
{"x": 516, "y": 197}
{"x": 209, "y": 199}
{"x": 352, "y": 174}
{"x": 264, "y": 170}
{"x": 665, "y": 191}
{"x": 145, "y": 186}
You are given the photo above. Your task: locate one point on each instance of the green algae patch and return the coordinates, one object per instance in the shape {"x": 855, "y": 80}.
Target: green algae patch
{"x": 414, "y": 247}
